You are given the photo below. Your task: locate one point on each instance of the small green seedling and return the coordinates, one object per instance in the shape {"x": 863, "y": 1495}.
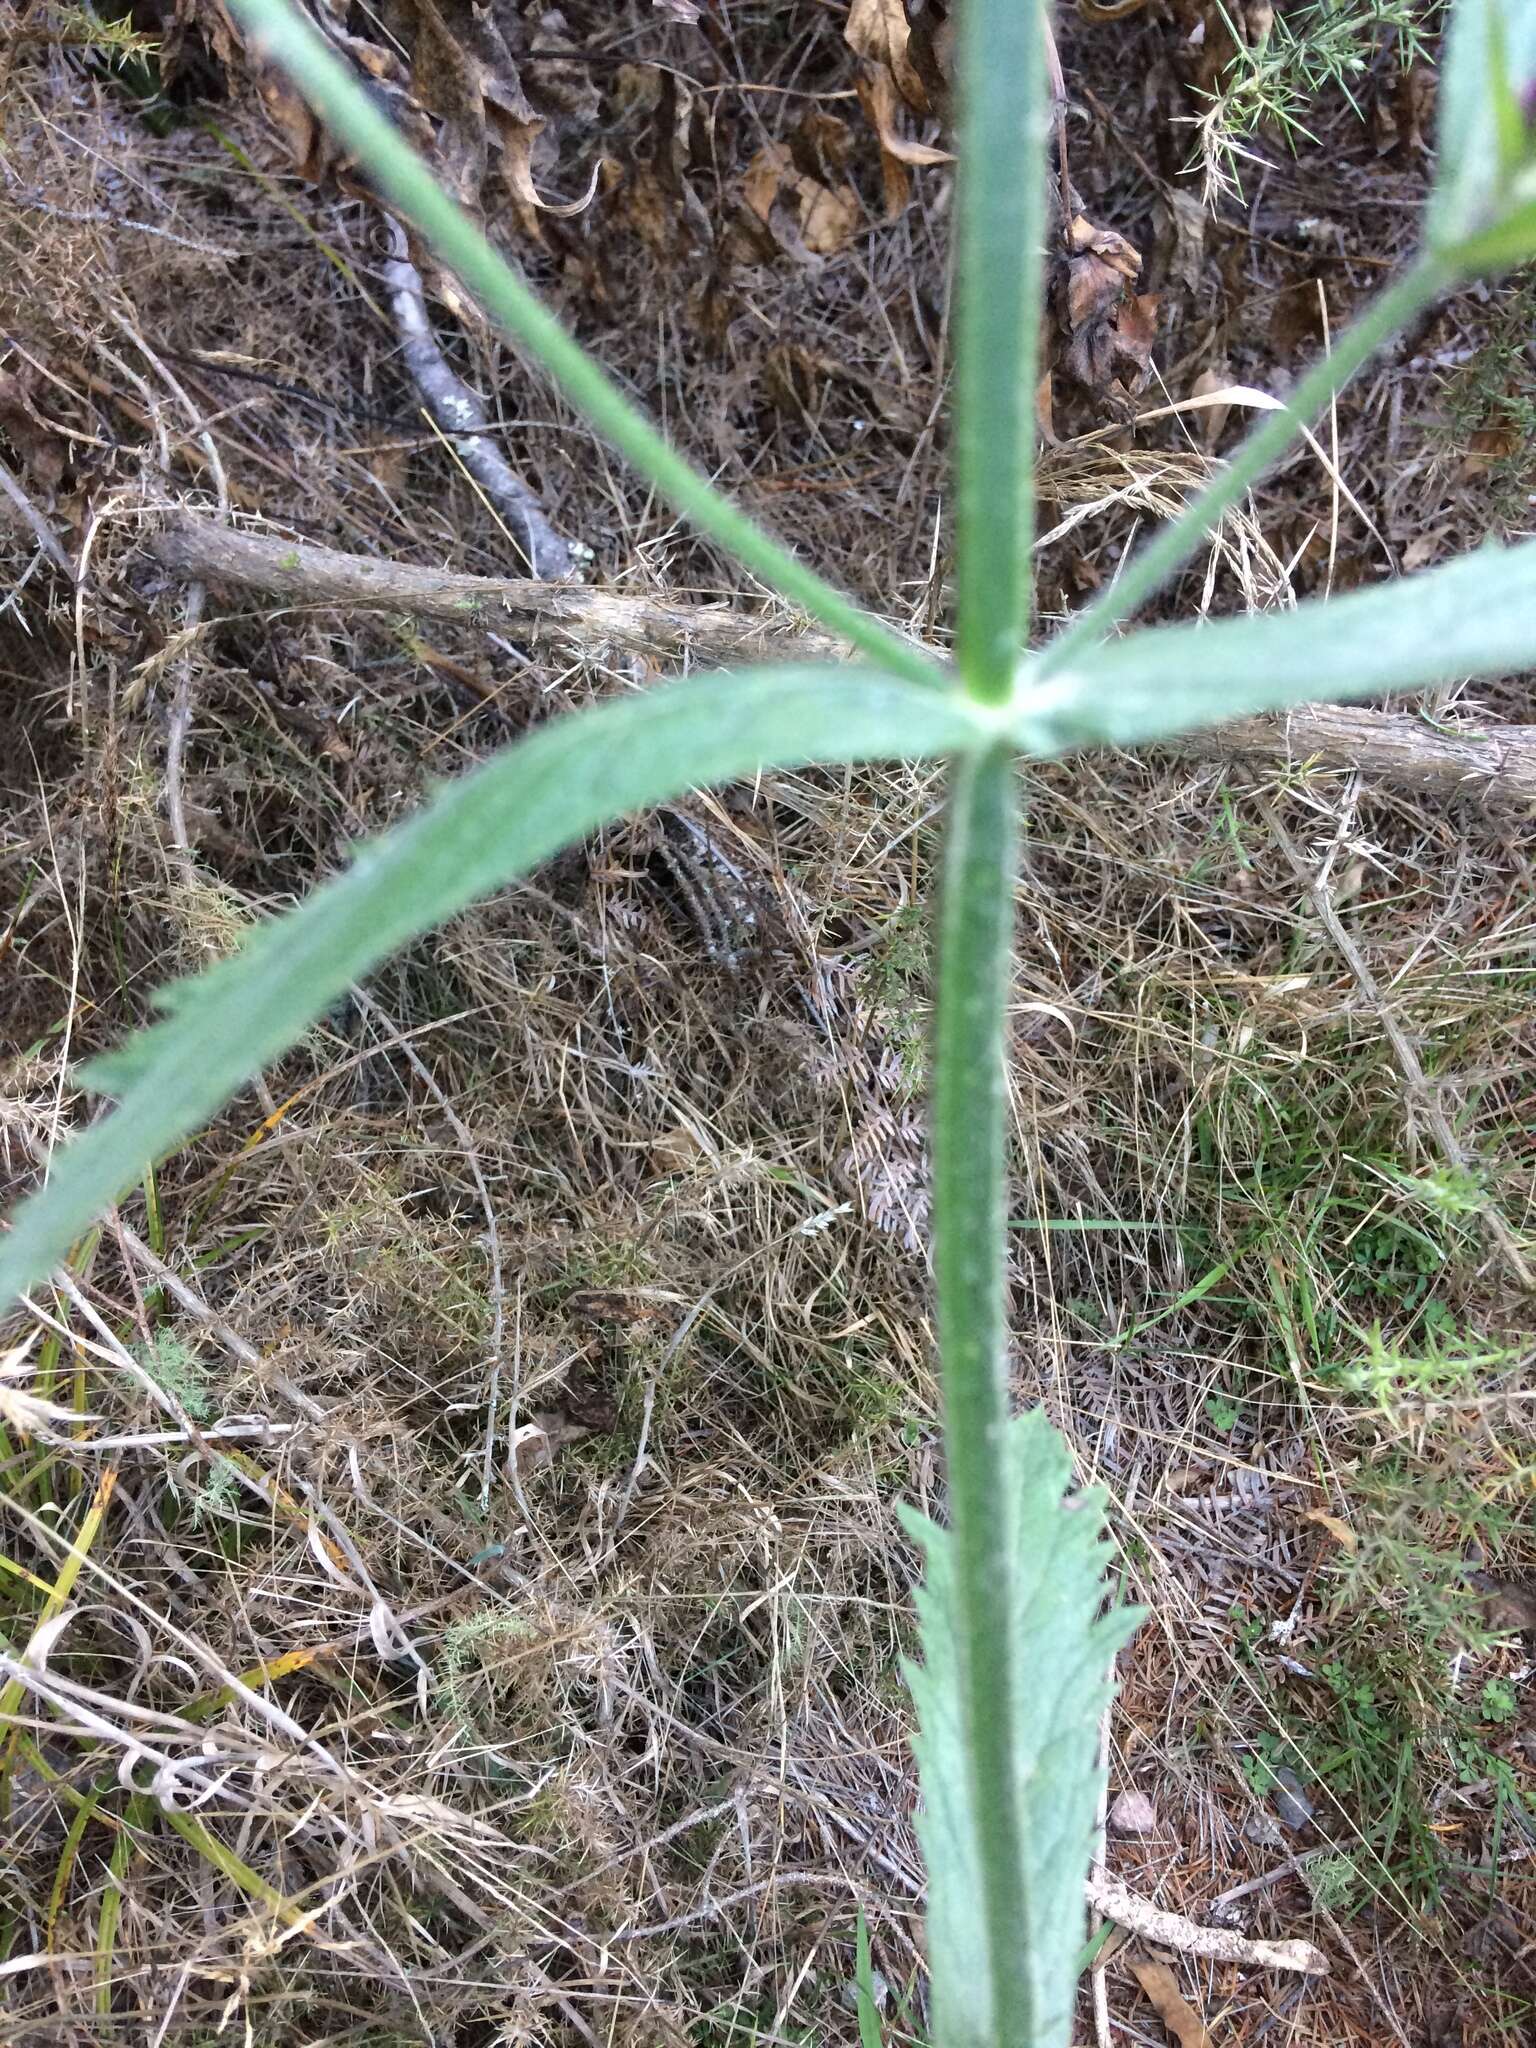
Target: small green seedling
{"x": 1015, "y": 1650}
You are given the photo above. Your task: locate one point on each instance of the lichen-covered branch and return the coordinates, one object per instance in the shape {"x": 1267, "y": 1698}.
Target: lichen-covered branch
{"x": 1401, "y": 749}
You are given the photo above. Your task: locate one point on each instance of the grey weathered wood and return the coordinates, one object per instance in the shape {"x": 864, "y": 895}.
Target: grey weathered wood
{"x": 1397, "y": 748}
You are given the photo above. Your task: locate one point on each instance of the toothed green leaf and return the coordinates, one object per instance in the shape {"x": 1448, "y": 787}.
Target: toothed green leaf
{"x": 563, "y": 781}
{"x": 1063, "y": 1650}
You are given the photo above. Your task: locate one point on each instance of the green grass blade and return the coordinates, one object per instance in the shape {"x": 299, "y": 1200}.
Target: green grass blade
{"x": 283, "y": 37}
{"x": 1472, "y": 617}
{"x": 1064, "y": 1653}
{"x": 864, "y": 1989}
{"x": 1001, "y": 236}
{"x": 1173, "y": 545}
{"x": 560, "y": 783}
{"x": 969, "y": 1688}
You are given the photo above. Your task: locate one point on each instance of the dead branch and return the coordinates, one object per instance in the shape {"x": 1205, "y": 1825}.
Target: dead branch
{"x": 464, "y": 419}
{"x": 1402, "y": 750}
{"x": 661, "y": 626}
{"x": 1216, "y": 1944}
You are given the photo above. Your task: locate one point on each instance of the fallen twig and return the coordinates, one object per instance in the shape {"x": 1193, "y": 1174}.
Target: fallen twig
{"x": 464, "y": 419}
{"x": 1397, "y": 748}
{"x": 1216, "y": 1944}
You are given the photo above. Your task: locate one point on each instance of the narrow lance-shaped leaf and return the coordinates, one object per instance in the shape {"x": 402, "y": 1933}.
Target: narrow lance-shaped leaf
{"x": 563, "y": 781}
{"x": 1472, "y": 617}
{"x": 287, "y": 39}
{"x": 1065, "y": 1651}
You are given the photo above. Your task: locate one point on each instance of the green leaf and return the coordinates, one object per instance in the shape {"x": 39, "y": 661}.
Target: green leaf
{"x": 563, "y": 781}
{"x": 1473, "y": 617}
{"x": 1499, "y": 248}
{"x": 1482, "y": 212}
{"x": 1058, "y": 1583}
{"x": 285, "y": 38}
{"x": 1000, "y": 86}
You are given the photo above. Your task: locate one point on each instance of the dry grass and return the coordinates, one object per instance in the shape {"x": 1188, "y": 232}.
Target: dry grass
{"x": 473, "y": 1609}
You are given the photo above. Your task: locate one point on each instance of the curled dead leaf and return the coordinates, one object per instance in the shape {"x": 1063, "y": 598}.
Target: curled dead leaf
{"x": 892, "y": 86}
{"x": 824, "y": 216}
{"x": 1340, "y": 1531}
{"x": 1113, "y": 347}
{"x": 882, "y": 105}
{"x": 1111, "y": 249}
{"x": 878, "y": 31}
{"x": 1110, "y": 331}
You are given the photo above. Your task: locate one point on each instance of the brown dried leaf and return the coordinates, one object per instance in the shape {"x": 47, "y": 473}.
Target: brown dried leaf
{"x": 877, "y": 96}
{"x": 1177, "y": 2015}
{"x": 1084, "y": 238}
{"x": 517, "y": 140}
{"x": 454, "y": 88}
{"x": 825, "y": 216}
{"x": 764, "y": 177}
{"x": 828, "y": 216}
{"x": 880, "y": 100}
{"x": 885, "y": 93}
{"x": 1341, "y": 1532}
{"x": 1111, "y": 335}
{"x": 877, "y": 30}
{"x": 1136, "y": 328}
{"x": 1094, "y": 291}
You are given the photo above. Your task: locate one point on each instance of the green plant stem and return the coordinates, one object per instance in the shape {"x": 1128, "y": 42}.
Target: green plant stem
{"x": 970, "y": 1123}
{"x": 1172, "y": 547}
{"x": 1000, "y": 233}
{"x": 283, "y": 38}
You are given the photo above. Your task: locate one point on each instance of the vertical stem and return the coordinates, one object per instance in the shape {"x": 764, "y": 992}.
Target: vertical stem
{"x": 999, "y": 240}
{"x": 970, "y": 1154}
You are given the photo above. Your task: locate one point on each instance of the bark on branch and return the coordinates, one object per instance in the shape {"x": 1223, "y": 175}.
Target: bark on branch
{"x": 1401, "y": 750}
